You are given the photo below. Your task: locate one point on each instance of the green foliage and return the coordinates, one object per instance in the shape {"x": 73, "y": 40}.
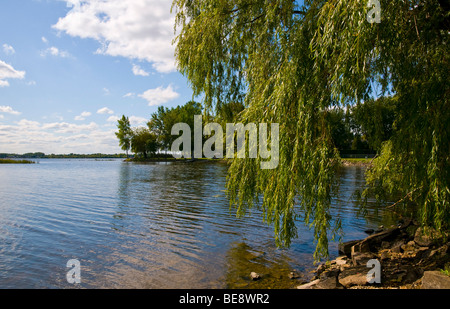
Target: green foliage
{"x": 289, "y": 63}
{"x": 374, "y": 119}
{"x": 144, "y": 142}
{"x": 124, "y": 134}
{"x": 164, "y": 119}
{"x": 10, "y": 161}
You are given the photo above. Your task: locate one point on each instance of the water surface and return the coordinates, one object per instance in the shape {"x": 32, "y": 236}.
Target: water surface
{"x": 160, "y": 225}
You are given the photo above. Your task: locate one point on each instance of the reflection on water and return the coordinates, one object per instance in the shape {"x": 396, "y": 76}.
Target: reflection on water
{"x": 161, "y": 225}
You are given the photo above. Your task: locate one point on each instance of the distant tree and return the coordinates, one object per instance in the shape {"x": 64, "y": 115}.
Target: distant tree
{"x": 339, "y": 123}
{"x": 164, "y": 119}
{"x": 374, "y": 119}
{"x": 144, "y": 142}
{"x": 125, "y": 133}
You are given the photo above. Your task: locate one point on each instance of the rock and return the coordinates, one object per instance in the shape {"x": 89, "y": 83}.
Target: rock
{"x": 410, "y": 246}
{"x": 329, "y": 283}
{"x": 396, "y": 247}
{"x": 342, "y": 260}
{"x": 320, "y": 269}
{"x": 308, "y": 286}
{"x": 332, "y": 273}
{"x": 294, "y": 275}
{"x": 346, "y": 247}
{"x": 385, "y": 254}
{"x": 427, "y": 237}
{"x": 435, "y": 280}
{"x": 359, "y": 258}
{"x": 353, "y": 276}
{"x": 374, "y": 242}
{"x": 255, "y": 276}
{"x": 369, "y": 231}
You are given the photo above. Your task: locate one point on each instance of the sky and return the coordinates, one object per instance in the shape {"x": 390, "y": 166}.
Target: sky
{"x": 69, "y": 69}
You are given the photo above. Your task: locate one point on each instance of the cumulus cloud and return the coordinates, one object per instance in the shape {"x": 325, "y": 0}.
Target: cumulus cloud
{"x": 104, "y": 111}
{"x": 138, "y": 71}
{"x": 113, "y": 119}
{"x": 129, "y": 95}
{"x": 83, "y": 116}
{"x": 9, "y": 110}
{"x": 8, "y": 72}
{"x": 135, "y": 29}
{"x": 134, "y": 120}
{"x": 56, "y": 52}
{"x": 8, "y": 49}
{"x": 58, "y": 137}
{"x": 159, "y": 95}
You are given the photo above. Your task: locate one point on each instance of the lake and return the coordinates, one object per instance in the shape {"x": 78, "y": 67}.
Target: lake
{"x": 158, "y": 225}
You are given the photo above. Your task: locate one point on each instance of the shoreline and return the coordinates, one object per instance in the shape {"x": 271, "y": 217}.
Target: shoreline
{"x": 11, "y": 161}
{"x": 407, "y": 257}
{"x": 357, "y": 162}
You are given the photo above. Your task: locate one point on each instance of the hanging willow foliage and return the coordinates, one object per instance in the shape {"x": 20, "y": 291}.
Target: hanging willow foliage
{"x": 289, "y": 63}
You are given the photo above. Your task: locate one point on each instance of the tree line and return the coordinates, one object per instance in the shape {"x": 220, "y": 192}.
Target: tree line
{"x": 359, "y": 129}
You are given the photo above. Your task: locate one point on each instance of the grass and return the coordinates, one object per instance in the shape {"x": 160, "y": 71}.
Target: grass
{"x": 9, "y": 161}
{"x": 446, "y": 270}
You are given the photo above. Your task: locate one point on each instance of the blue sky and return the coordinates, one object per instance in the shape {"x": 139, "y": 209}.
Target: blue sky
{"x": 69, "y": 69}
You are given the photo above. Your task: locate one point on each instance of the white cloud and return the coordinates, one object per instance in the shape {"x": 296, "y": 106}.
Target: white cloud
{"x": 8, "y": 49}
{"x": 159, "y": 95}
{"x": 135, "y": 29}
{"x": 129, "y": 95}
{"x": 44, "y": 39}
{"x": 9, "y": 110}
{"x": 134, "y": 120}
{"x": 58, "y": 137}
{"x": 83, "y": 116}
{"x": 8, "y": 72}
{"x": 113, "y": 119}
{"x": 104, "y": 111}
{"x": 138, "y": 71}
{"x": 54, "y": 51}
{"x": 106, "y": 91}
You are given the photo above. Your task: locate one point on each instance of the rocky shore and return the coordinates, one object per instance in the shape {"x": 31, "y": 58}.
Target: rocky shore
{"x": 404, "y": 257}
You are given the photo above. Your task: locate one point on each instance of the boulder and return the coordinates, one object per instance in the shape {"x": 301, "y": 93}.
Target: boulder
{"x": 435, "y": 280}
{"x": 346, "y": 247}
{"x": 342, "y": 260}
{"x": 359, "y": 258}
{"x": 353, "y": 276}
{"x": 329, "y": 283}
{"x": 427, "y": 237}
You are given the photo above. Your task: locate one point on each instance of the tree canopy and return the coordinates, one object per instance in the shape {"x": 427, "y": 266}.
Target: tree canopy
{"x": 291, "y": 62}
{"x": 124, "y": 134}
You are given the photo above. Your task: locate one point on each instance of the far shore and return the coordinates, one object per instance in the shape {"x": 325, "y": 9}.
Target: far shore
{"x": 357, "y": 162}
{"x": 10, "y": 161}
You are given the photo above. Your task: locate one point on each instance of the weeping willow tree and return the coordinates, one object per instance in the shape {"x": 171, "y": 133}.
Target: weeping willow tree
{"x": 290, "y": 63}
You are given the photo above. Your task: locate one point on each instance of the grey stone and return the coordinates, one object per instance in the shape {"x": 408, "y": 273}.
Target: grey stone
{"x": 428, "y": 237}
{"x": 361, "y": 258}
{"x": 353, "y": 276}
{"x": 435, "y": 280}
{"x": 329, "y": 283}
